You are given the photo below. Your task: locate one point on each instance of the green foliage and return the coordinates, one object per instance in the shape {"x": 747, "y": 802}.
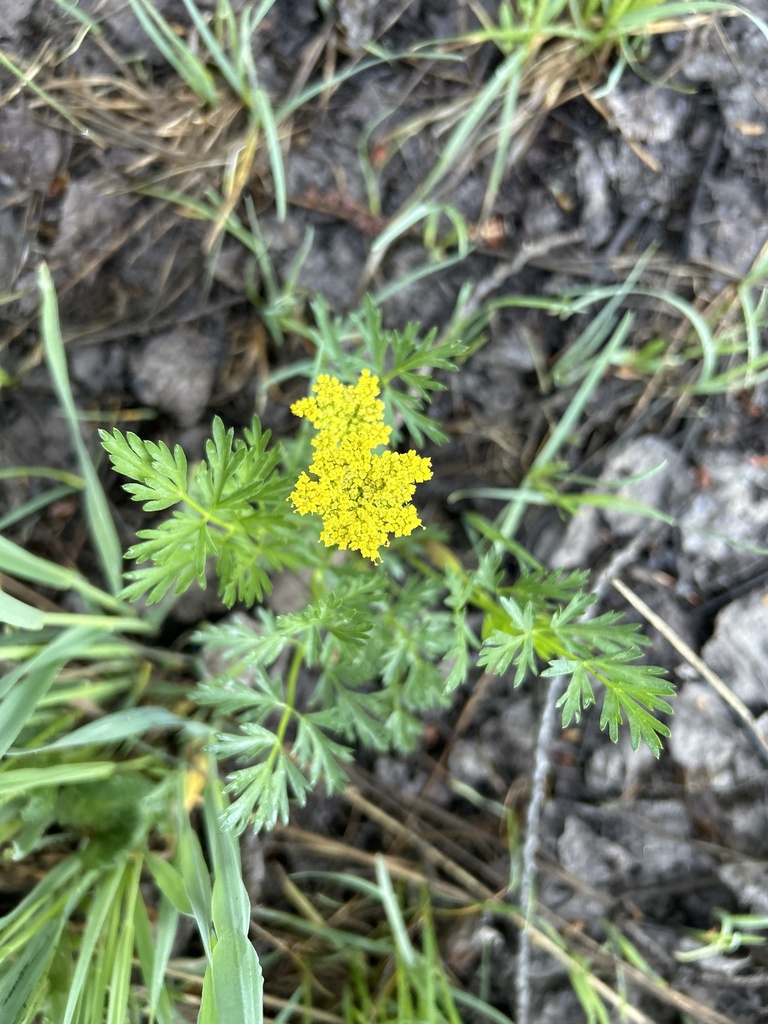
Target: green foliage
{"x": 231, "y": 507}
{"x": 114, "y": 813}
{"x": 549, "y": 637}
{"x": 734, "y": 931}
{"x": 369, "y": 651}
{"x": 374, "y": 650}
{"x": 402, "y": 360}
{"x": 388, "y": 948}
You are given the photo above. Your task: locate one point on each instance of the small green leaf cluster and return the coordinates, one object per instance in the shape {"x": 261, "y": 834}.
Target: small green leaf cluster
{"x": 231, "y": 507}
{"x": 542, "y": 626}
{"x": 364, "y": 663}
{"x": 403, "y": 361}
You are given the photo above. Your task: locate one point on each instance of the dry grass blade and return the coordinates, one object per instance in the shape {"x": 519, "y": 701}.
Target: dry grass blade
{"x": 471, "y": 889}
{"x": 714, "y": 680}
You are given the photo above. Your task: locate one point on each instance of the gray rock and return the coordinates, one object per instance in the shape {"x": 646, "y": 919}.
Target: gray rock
{"x": 11, "y": 242}
{"x": 748, "y": 882}
{"x": 117, "y": 18}
{"x": 175, "y": 373}
{"x": 562, "y": 1006}
{"x": 357, "y": 18}
{"x": 745, "y": 822}
{"x": 98, "y": 368}
{"x": 659, "y": 834}
{"x": 733, "y": 230}
{"x": 542, "y": 216}
{"x": 29, "y": 152}
{"x": 708, "y": 744}
{"x": 197, "y": 603}
{"x": 732, "y": 507}
{"x": 665, "y": 486}
{"x": 597, "y": 215}
{"x": 514, "y": 344}
{"x": 89, "y": 223}
{"x": 738, "y": 650}
{"x": 470, "y": 764}
{"x": 649, "y": 114}
{"x": 595, "y": 860}
{"x": 581, "y": 539}
{"x": 12, "y": 12}
{"x": 632, "y": 177}
{"x": 664, "y": 489}
{"x": 472, "y": 940}
{"x": 615, "y": 768}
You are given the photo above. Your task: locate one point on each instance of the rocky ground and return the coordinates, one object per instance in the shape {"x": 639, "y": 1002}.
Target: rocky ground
{"x": 167, "y": 322}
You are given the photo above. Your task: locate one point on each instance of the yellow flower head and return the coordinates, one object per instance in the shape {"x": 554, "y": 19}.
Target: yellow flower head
{"x": 362, "y": 496}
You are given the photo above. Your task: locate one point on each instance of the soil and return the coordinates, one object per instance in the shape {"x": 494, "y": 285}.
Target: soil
{"x": 166, "y": 324}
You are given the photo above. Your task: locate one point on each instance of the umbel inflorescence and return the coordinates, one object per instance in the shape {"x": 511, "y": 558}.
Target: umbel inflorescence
{"x": 362, "y": 495}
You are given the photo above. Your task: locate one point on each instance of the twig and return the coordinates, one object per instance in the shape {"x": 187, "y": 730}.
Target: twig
{"x": 532, "y": 822}
{"x": 480, "y": 891}
{"x": 694, "y": 660}
{"x": 541, "y": 767}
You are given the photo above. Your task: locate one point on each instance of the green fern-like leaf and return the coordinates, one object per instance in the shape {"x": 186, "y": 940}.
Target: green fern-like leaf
{"x": 600, "y": 650}
{"x": 232, "y": 507}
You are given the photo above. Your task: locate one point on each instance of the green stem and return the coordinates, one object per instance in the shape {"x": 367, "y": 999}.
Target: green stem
{"x": 290, "y": 700}
{"x": 111, "y": 623}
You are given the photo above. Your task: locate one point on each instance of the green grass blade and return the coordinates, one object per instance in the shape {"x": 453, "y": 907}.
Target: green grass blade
{"x": 230, "y": 904}
{"x": 18, "y": 614}
{"x": 35, "y": 680}
{"x": 20, "y": 781}
{"x": 235, "y": 969}
{"x": 237, "y": 980}
{"x": 394, "y": 914}
{"x": 98, "y": 911}
{"x": 640, "y": 17}
{"x": 509, "y": 519}
{"x": 338, "y": 937}
{"x": 699, "y": 324}
{"x": 45, "y": 893}
{"x": 410, "y": 217}
{"x": 72, "y": 481}
{"x": 124, "y": 915}
{"x": 15, "y": 561}
{"x": 33, "y": 505}
{"x": 567, "y": 424}
{"x": 21, "y": 977}
{"x": 46, "y": 97}
{"x": 186, "y": 64}
{"x": 154, "y": 953}
{"x": 207, "y": 1013}
{"x": 481, "y": 1009}
{"x": 197, "y": 880}
{"x": 170, "y": 883}
{"x": 573, "y": 364}
{"x": 266, "y": 117}
{"x": 218, "y": 55}
{"x": 506, "y": 126}
{"x": 503, "y": 78}
{"x": 417, "y": 274}
{"x": 73, "y": 11}
{"x": 152, "y": 960}
{"x": 123, "y": 725}
{"x": 100, "y": 522}
{"x": 752, "y": 329}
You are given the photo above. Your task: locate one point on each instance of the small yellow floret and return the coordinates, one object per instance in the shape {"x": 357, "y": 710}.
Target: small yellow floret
{"x": 361, "y": 496}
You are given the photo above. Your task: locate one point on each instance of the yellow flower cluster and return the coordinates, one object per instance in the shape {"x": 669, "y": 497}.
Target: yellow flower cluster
{"x": 362, "y": 496}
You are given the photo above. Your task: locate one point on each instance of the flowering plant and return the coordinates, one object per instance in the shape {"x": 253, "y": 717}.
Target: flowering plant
{"x": 361, "y": 495}
{"x": 374, "y": 648}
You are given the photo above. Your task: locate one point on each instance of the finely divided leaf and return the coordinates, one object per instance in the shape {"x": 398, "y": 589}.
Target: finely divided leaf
{"x": 232, "y": 507}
